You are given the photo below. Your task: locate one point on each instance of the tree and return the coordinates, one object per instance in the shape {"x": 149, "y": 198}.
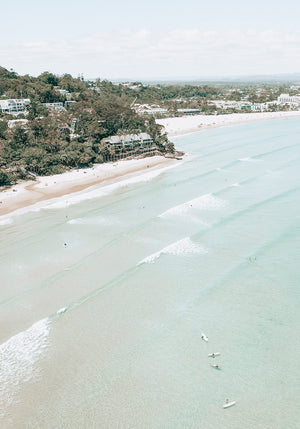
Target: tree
{"x": 36, "y": 109}
{"x": 3, "y": 128}
{"x": 4, "y": 179}
{"x": 49, "y": 78}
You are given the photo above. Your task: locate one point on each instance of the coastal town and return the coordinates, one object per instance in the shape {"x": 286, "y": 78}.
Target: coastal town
{"x": 51, "y": 123}
{"x": 247, "y": 99}
{"x": 149, "y": 214}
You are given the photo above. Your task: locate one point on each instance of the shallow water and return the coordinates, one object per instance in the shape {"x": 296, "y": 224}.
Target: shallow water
{"x": 104, "y": 296}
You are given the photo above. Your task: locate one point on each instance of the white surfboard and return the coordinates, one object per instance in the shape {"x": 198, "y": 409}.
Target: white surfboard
{"x": 204, "y": 337}
{"x": 215, "y": 366}
{"x": 229, "y": 404}
{"x": 214, "y": 354}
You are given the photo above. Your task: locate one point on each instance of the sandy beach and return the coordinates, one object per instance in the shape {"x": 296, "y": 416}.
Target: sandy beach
{"x": 46, "y": 188}
{"x": 49, "y": 187}
{"x": 191, "y": 124}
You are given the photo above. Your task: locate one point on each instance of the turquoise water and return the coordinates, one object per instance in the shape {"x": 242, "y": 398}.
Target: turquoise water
{"x": 103, "y": 301}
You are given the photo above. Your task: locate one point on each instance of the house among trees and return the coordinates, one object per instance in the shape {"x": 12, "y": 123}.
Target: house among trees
{"x": 189, "y": 111}
{"x": 54, "y": 106}
{"x": 286, "y": 98}
{"x": 14, "y": 106}
{"x": 129, "y": 141}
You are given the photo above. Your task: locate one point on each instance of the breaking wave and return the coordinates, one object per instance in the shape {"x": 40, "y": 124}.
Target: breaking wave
{"x": 5, "y": 221}
{"x": 248, "y": 159}
{"x": 205, "y": 202}
{"x": 180, "y": 248}
{"x": 18, "y": 356}
{"x": 90, "y": 221}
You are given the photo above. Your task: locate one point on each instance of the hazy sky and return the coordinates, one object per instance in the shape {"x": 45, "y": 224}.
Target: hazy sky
{"x": 152, "y": 39}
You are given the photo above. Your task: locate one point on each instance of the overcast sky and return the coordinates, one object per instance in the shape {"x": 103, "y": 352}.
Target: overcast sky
{"x": 155, "y": 39}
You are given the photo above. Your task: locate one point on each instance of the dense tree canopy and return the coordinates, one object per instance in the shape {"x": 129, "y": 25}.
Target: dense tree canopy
{"x": 51, "y": 141}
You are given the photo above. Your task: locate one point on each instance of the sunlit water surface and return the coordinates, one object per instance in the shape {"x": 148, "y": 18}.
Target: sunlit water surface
{"x": 104, "y": 300}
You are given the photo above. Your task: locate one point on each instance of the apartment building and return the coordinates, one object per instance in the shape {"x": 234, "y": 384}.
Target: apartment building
{"x": 14, "y": 106}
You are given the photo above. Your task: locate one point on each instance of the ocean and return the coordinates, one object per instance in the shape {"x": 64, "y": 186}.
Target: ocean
{"x": 105, "y": 295}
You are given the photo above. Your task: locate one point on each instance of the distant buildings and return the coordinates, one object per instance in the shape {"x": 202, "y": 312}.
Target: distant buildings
{"x": 259, "y": 107}
{"x": 129, "y": 141}
{"x": 130, "y": 85}
{"x": 145, "y": 109}
{"x": 63, "y": 92}
{"x": 14, "y": 106}
{"x": 286, "y": 98}
{"x": 189, "y": 111}
{"x": 54, "y": 106}
{"x": 59, "y": 105}
{"x": 68, "y": 103}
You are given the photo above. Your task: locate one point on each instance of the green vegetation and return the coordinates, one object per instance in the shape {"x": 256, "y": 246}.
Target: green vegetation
{"x": 52, "y": 141}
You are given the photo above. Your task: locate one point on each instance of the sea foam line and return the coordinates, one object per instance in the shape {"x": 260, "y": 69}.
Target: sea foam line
{"x": 180, "y": 248}
{"x": 248, "y": 159}
{"x": 205, "y": 202}
{"x": 96, "y": 192}
{"x": 6, "y": 221}
{"x": 91, "y": 192}
{"x": 91, "y": 221}
{"x": 18, "y": 356}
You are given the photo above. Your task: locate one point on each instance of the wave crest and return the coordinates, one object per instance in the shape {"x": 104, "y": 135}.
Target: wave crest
{"x": 180, "y": 248}
{"x": 205, "y": 202}
{"x": 18, "y": 356}
{"x": 6, "y": 221}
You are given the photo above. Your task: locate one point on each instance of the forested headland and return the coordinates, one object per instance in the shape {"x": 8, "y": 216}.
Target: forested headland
{"x": 67, "y": 121}
{"x": 47, "y": 141}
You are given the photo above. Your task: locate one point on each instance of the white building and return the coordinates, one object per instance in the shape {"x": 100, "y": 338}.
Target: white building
{"x": 286, "y": 98}
{"x": 189, "y": 111}
{"x": 128, "y": 140}
{"x": 54, "y": 106}
{"x": 145, "y": 109}
{"x": 259, "y": 107}
{"x": 63, "y": 92}
{"x": 68, "y": 103}
{"x": 14, "y": 106}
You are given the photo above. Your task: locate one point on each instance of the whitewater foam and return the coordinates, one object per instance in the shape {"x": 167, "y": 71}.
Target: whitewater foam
{"x": 6, "y": 221}
{"x": 205, "y": 202}
{"x": 91, "y": 221}
{"x": 61, "y": 310}
{"x": 96, "y": 192}
{"x": 180, "y": 248}
{"x": 18, "y": 356}
{"x": 89, "y": 193}
{"x": 248, "y": 159}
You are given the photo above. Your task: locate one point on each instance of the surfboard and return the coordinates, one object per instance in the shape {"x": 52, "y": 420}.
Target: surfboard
{"x": 204, "y": 337}
{"x": 229, "y": 404}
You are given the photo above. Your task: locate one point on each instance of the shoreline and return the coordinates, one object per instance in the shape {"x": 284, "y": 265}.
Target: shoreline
{"x": 49, "y": 188}
{"x": 192, "y": 124}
